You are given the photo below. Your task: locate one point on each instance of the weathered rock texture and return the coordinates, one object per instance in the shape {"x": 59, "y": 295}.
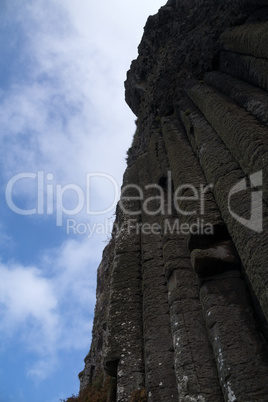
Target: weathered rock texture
{"x": 182, "y": 295}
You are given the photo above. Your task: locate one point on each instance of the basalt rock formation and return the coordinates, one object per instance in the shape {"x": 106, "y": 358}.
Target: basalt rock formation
{"x": 182, "y": 297}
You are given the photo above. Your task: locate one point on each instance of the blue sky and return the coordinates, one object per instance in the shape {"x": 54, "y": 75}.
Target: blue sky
{"x": 62, "y": 118}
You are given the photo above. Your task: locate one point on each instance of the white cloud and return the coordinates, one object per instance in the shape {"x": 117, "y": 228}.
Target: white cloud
{"x": 48, "y": 308}
{"x": 70, "y": 117}
{"x": 28, "y": 301}
{"x": 26, "y": 293}
{"x": 74, "y": 107}
{"x": 78, "y": 55}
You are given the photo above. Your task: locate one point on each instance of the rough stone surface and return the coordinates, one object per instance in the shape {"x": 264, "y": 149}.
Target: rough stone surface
{"x": 193, "y": 359}
{"x": 158, "y": 348}
{"x": 247, "y": 39}
{"x": 182, "y": 310}
{"x": 186, "y": 170}
{"x": 239, "y": 349}
{"x": 241, "y": 133}
{"x": 252, "y": 99}
{"x": 247, "y": 68}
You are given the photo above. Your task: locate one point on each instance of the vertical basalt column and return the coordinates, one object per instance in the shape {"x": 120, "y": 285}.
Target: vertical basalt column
{"x": 195, "y": 366}
{"x": 239, "y": 347}
{"x": 238, "y": 344}
{"x": 158, "y": 348}
{"x": 192, "y": 353}
{"x": 94, "y": 360}
{"x": 124, "y": 343}
{"x": 251, "y": 246}
{"x": 159, "y": 164}
{"x": 195, "y": 203}
{"x": 230, "y": 321}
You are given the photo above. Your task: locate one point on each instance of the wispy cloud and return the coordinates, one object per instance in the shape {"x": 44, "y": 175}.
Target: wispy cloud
{"x": 62, "y": 112}
{"x": 24, "y": 293}
{"x": 29, "y": 310}
{"x": 73, "y": 99}
{"x": 46, "y": 307}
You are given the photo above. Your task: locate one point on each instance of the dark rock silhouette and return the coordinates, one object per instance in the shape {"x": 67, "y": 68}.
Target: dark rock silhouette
{"x": 182, "y": 300}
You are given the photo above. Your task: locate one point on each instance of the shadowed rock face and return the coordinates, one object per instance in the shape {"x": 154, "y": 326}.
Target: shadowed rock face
{"x": 182, "y": 301}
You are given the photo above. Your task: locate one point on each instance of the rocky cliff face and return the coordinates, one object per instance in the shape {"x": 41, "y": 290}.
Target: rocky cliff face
{"x": 182, "y": 301}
